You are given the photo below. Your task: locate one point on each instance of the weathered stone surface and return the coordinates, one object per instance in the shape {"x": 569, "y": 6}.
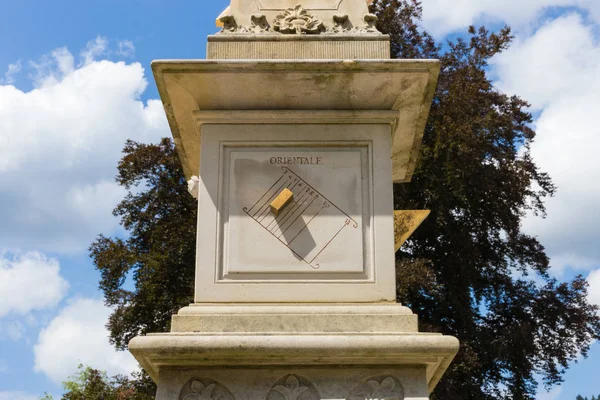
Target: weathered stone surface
{"x": 405, "y": 87}
{"x": 331, "y": 245}
{"x": 304, "y": 47}
{"x": 297, "y": 383}
{"x": 297, "y": 17}
{"x": 298, "y": 304}
{"x": 298, "y": 318}
{"x": 250, "y": 352}
{"x": 337, "y": 351}
{"x": 406, "y": 223}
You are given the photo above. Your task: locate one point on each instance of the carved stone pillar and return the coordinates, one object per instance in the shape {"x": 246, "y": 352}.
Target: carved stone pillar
{"x": 292, "y": 134}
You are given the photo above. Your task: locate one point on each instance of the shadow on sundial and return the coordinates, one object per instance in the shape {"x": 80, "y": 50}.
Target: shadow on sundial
{"x": 307, "y": 225}
{"x": 295, "y": 231}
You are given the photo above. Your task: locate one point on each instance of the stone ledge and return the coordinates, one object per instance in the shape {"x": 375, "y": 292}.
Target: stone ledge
{"x": 232, "y": 37}
{"x": 178, "y": 350}
{"x": 404, "y": 86}
{"x": 296, "y": 319}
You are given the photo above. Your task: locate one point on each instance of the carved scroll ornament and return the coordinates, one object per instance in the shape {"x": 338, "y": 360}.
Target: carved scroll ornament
{"x": 298, "y": 21}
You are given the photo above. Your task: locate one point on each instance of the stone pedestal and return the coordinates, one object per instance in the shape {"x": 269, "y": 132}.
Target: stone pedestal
{"x": 295, "y": 352}
{"x": 292, "y": 134}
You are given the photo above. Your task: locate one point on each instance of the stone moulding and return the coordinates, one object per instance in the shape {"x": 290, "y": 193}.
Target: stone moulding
{"x": 196, "y": 350}
{"x": 403, "y": 86}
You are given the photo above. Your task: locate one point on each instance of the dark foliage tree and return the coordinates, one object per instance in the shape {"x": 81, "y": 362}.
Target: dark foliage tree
{"x": 160, "y": 216}
{"x": 467, "y": 270}
{"x": 92, "y": 384}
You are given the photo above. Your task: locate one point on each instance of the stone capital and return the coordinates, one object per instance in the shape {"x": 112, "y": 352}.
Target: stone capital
{"x": 297, "y": 17}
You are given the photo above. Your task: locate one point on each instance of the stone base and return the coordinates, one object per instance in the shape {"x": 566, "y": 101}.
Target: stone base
{"x": 339, "y": 382}
{"x": 287, "y": 352}
{"x": 298, "y": 47}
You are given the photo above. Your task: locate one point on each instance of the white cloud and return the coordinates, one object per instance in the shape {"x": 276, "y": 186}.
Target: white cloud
{"x": 441, "y": 17}
{"x": 12, "y": 330}
{"x": 9, "y": 76}
{"x": 28, "y": 282}
{"x": 594, "y": 289}
{"x": 126, "y": 48}
{"x": 94, "y": 49}
{"x": 17, "y": 396}
{"x": 552, "y": 395}
{"x": 52, "y": 68}
{"x": 60, "y": 144}
{"x": 561, "y": 60}
{"x": 557, "y": 69}
{"x": 78, "y": 336}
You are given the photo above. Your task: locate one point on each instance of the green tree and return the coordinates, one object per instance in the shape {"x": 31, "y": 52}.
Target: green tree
{"x": 160, "y": 216}
{"x": 92, "y": 384}
{"x": 467, "y": 270}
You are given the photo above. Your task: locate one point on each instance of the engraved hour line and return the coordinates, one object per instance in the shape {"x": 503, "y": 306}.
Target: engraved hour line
{"x": 306, "y": 225}
{"x": 299, "y": 203}
{"x": 327, "y": 244}
{"x": 285, "y": 244}
{"x": 266, "y": 193}
{"x": 285, "y": 212}
{"x": 285, "y": 220}
{"x": 293, "y": 207}
{"x": 266, "y": 211}
{"x": 296, "y": 219}
{"x": 290, "y": 209}
{"x": 266, "y": 205}
{"x": 307, "y": 192}
{"x": 304, "y": 194}
{"x": 324, "y": 198}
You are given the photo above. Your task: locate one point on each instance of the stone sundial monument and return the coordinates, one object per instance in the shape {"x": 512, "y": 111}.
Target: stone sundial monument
{"x": 291, "y": 134}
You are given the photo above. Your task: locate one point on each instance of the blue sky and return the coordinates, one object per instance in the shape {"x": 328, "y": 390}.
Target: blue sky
{"x": 75, "y": 83}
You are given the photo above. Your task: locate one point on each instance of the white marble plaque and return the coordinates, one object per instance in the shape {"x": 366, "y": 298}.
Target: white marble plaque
{"x": 322, "y": 230}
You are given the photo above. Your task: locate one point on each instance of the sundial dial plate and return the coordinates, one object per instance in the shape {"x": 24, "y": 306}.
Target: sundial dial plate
{"x": 322, "y": 230}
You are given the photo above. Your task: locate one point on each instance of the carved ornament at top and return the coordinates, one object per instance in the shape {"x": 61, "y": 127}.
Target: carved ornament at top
{"x": 298, "y": 20}
{"x": 298, "y": 17}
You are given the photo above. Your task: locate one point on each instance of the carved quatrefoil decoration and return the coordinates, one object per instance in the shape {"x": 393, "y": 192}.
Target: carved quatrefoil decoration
{"x": 384, "y": 387}
{"x": 205, "y": 389}
{"x": 293, "y": 387}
